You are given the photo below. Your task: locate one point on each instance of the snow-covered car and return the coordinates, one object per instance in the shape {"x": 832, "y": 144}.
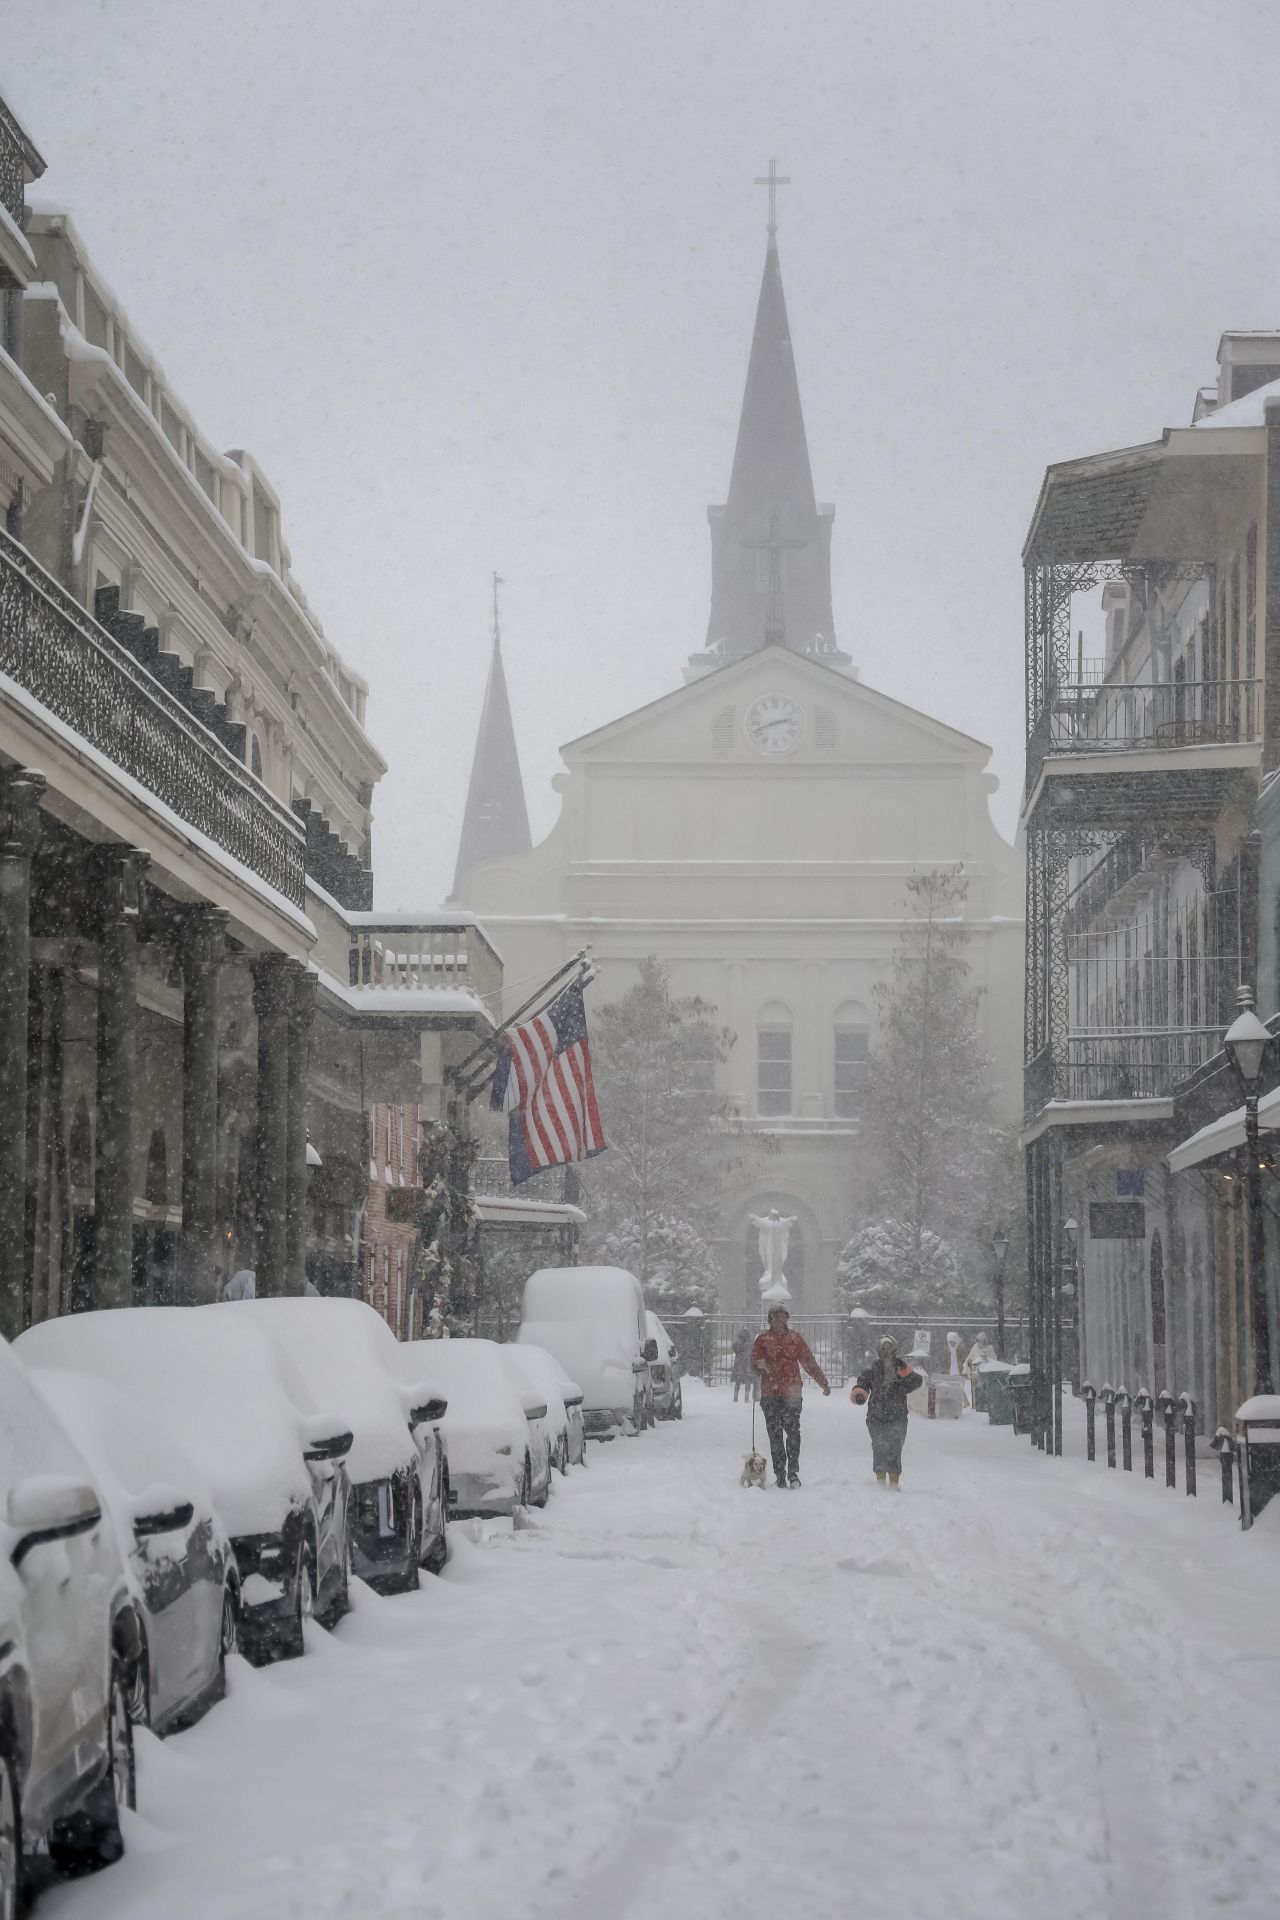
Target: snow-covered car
{"x": 177, "y": 1558}
{"x": 498, "y": 1455}
{"x": 592, "y": 1320}
{"x": 69, "y": 1641}
{"x": 664, "y": 1372}
{"x": 346, "y": 1353}
{"x": 242, "y": 1412}
{"x": 540, "y": 1372}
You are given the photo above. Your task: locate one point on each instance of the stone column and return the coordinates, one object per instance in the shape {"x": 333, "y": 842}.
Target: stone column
{"x": 271, "y": 1004}
{"x": 203, "y": 946}
{"x": 118, "y": 886}
{"x": 302, "y": 1008}
{"x": 20, "y": 791}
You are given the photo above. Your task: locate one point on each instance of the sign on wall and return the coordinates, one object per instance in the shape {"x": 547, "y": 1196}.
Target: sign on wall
{"x": 1117, "y": 1220}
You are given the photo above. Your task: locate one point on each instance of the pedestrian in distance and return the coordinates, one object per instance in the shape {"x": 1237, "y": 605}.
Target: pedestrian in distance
{"x": 777, "y": 1358}
{"x": 741, "y": 1373}
{"x": 883, "y": 1390}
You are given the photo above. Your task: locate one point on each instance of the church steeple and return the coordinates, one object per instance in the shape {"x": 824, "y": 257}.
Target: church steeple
{"x": 771, "y": 541}
{"x": 496, "y": 820}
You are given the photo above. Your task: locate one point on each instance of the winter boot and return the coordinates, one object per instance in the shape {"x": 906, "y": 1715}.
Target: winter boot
{"x": 794, "y": 1480}
{"x": 881, "y": 1478}
{"x": 893, "y": 1481}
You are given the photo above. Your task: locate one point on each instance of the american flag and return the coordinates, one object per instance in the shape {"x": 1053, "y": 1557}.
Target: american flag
{"x": 543, "y": 1081}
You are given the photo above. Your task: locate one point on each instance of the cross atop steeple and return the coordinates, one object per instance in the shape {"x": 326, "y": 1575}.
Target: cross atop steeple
{"x": 773, "y": 180}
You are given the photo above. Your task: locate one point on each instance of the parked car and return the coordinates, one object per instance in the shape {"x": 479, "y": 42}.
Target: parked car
{"x": 272, "y": 1458}
{"x": 346, "y": 1353}
{"x": 498, "y": 1454}
{"x": 664, "y": 1372}
{"x": 592, "y": 1320}
{"x": 538, "y": 1371}
{"x": 69, "y": 1641}
{"x": 177, "y": 1558}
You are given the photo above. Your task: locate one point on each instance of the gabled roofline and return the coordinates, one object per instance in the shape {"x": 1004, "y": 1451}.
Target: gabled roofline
{"x": 829, "y": 677}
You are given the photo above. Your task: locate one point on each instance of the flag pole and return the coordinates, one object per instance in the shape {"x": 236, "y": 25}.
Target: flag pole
{"x": 462, "y": 1073}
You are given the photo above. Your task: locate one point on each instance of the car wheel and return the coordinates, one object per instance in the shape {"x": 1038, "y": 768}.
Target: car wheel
{"x": 561, "y": 1461}
{"x": 524, "y": 1492}
{"x": 228, "y": 1636}
{"x": 304, "y": 1604}
{"x": 437, "y": 1555}
{"x": 678, "y": 1410}
{"x": 81, "y": 1842}
{"x": 408, "y": 1581}
{"x": 138, "y": 1691}
{"x": 10, "y": 1840}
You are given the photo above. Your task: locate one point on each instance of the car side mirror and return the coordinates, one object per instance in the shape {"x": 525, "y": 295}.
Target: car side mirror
{"x": 49, "y": 1506}
{"x": 331, "y": 1446}
{"x": 427, "y": 1412}
{"x": 535, "y": 1409}
{"x": 168, "y": 1518}
{"x": 650, "y": 1350}
{"x": 574, "y": 1399}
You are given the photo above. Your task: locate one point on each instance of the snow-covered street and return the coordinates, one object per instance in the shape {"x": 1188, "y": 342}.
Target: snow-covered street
{"x": 1017, "y": 1688}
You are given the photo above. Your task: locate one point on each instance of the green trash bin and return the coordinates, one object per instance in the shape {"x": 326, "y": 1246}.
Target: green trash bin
{"x": 1018, "y": 1382}
{"x": 992, "y": 1393}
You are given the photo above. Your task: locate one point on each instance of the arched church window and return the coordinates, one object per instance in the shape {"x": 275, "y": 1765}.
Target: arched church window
{"x": 852, "y": 1054}
{"x": 824, "y": 728}
{"x": 156, "y": 1190}
{"x": 722, "y": 731}
{"x": 773, "y": 1059}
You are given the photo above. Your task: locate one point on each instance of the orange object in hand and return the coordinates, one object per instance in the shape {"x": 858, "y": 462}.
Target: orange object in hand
{"x": 858, "y": 1395}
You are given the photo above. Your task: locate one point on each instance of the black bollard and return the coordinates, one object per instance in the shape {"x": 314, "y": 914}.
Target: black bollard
{"x": 1169, "y": 1414}
{"x": 1147, "y": 1415}
{"x": 1188, "y": 1406}
{"x": 1225, "y": 1448}
{"x": 1109, "y": 1402}
{"x": 1089, "y": 1394}
{"x": 1126, "y": 1428}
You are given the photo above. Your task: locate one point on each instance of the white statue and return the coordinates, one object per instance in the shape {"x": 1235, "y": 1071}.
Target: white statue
{"x": 774, "y": 1231}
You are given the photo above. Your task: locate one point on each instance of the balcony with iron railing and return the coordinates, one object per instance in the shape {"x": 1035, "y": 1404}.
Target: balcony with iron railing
{"x": 403, "y": 953}
{"x": 64, "y": 660}
{"x": 13, "y": 158}
{"x": 1090, "y": 716}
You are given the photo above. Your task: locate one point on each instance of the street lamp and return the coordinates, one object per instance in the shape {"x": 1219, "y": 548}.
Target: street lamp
{"x": 1000, "y": 1247}
{"x": 1246, "y": 1042}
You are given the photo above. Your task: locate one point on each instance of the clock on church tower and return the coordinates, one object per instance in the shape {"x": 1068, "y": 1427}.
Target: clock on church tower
{"x": 774, "y": 723}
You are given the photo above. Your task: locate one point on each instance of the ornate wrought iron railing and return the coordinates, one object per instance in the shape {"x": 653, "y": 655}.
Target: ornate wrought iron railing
{"x": 1084, "y": 717}
{"x": 59, "y": 655}
{"x": 1131, "y": 1065}
{"x": 12, "y": 168}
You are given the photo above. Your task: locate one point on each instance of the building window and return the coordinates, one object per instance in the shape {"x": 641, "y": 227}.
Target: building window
{"x": 773, "y": 1061}
{"x": 852, "y": 1053}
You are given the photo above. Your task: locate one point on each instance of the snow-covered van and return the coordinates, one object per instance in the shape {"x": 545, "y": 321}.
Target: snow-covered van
{"x": 593, "y": 1320}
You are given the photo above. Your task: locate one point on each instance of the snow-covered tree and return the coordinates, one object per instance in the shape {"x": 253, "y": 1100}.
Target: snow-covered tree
{"x": 447, "y": 1227}
{"x": 928, "y": 1143}
{"x": 672, "y": 1141}
{"x": 882, "y": 1269}
{"x": 676, "y": 1264}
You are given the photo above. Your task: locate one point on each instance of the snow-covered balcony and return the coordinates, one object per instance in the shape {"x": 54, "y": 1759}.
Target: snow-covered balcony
{"x": 398, "y": 961}
{"x": 57, "y": 661}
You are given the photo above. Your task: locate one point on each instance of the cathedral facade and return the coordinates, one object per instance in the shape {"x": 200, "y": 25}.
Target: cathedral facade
{"x": 754, "y": 829}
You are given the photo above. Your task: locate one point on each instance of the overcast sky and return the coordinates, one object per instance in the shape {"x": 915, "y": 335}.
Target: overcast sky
{"x": 475, "y": 285}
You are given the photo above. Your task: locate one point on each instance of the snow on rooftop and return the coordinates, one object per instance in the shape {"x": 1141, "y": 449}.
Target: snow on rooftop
{"x": 1248, "y": 411}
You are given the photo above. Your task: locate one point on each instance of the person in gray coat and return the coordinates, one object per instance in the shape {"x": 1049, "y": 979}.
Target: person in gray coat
{"x": 883, "y": 1390}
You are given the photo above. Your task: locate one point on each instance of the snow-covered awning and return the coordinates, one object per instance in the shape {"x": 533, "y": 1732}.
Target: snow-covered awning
{"x": 1224, "y": 1134}
{"x": 507, "y": 1209}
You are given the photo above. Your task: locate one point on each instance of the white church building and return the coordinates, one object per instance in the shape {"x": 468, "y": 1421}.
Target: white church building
{"x": 754, "y": 829}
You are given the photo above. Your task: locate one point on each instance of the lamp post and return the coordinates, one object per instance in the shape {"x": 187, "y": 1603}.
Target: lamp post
{"x": 1068, "y": 1314}
{"x": 1000, "y": 1247}
{"x": 1246, "y": 1042}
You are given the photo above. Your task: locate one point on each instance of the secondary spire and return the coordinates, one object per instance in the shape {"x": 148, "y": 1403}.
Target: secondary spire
{"x": 496, "y": 819}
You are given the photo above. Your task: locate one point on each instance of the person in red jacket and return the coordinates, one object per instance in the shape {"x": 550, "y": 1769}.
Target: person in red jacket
{"x": 777, "y": 1356}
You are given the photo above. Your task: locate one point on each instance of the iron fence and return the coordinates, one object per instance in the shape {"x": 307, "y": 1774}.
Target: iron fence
{"x": 1087, "y": 718}
{"x": 842, "y": 1347}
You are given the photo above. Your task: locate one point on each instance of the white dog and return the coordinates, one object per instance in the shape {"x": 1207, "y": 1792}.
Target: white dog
{"x": 753, "y": 1469}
